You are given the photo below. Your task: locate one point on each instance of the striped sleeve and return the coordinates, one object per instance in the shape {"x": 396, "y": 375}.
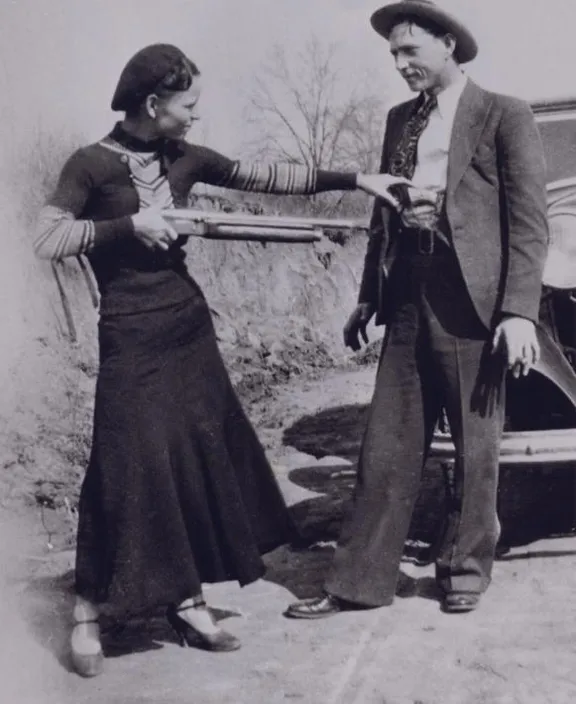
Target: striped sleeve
{"x": 60, "y": 235}
{"x": 208, "y": 166}
{"x": 287, "y": 179}
{"x": 60, "y": 230}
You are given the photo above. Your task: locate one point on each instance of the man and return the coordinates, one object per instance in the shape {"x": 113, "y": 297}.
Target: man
{"x": 456, "y": 278}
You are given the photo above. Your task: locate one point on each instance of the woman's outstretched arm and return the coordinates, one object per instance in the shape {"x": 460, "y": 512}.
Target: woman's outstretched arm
{"x": 287, "y": 179}
{"x": 215, "y": 169}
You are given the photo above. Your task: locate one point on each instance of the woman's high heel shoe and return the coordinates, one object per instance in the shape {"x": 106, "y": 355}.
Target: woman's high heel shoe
{"x": 86, "y": 663}
{"x": 188, "y": 636}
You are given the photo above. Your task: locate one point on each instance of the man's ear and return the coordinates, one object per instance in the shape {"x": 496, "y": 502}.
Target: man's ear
{"x": 151, "y": 105}
{"x": 450, "y": 44}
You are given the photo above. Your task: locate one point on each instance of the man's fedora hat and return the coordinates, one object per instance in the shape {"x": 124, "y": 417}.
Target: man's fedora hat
{"x": 384, "y": 19}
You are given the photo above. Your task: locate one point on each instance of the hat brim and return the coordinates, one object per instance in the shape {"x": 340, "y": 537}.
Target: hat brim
{"x": 384, "y": 19}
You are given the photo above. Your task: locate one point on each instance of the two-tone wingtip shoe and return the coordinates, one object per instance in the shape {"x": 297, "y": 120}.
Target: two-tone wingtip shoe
{"x": 317, "y": 607}
{"x": 460, "y": 602}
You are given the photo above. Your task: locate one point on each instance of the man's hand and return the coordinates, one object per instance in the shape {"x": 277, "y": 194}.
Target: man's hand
{"x": 379, "y": 184}
{"x": 517, "y": 338}
{"x": 421, "y": 209}
{"x": 152, "y": 230}
{"x": 357, "y": 323}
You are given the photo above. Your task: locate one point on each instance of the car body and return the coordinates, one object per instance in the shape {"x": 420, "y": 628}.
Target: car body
{"x": 537, "y": 494}
{"x": 541, "y": 415}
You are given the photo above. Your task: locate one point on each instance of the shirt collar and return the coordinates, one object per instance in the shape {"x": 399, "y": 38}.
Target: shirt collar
{"x": 136, "y": 144}
{"x": 449, "y": 97}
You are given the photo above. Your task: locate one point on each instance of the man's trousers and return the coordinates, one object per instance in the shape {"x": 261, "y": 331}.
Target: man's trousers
{"x": 436, "y": 354}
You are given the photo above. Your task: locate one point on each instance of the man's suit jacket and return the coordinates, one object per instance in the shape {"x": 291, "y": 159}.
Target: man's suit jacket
{"x": 495, "y": 207}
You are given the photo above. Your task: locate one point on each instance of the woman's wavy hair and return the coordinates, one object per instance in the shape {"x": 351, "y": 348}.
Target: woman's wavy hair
{"x": 179, "y": 78}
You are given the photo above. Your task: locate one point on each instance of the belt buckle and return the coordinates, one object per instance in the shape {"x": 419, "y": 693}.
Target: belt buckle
{"x": 426, "y": 242}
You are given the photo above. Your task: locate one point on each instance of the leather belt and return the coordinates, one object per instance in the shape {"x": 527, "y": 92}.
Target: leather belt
{"x": 422, "y": 242}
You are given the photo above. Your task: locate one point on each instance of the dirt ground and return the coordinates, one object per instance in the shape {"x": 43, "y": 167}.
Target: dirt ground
{"x": 518, "y": 648}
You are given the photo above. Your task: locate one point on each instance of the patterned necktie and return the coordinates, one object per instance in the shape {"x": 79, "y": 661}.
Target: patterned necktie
{"x": 403, "y": 161}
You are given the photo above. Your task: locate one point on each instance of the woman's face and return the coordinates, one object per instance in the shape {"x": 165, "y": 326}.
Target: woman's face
{"x": 174, "y": 114}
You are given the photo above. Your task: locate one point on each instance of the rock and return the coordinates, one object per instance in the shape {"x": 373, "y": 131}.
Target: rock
{"x": 277, "y": 348}
{"x": 344, "y": 473}
{"x": 226, "y": 334}
{"x": 333, "y": 461}
{"x": 294, "y": 494}
{"x": 296, "y": 460}
{"x": 253, "y": 340}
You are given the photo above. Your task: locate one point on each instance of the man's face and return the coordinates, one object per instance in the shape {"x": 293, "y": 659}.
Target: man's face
{"x": 421, "y": 58}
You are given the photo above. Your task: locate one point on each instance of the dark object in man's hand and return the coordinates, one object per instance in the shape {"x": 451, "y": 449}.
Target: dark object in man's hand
{"x": 356, "y": 324}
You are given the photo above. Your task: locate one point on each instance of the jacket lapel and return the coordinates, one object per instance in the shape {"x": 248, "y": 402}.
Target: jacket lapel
{"x": 469, "y": 121}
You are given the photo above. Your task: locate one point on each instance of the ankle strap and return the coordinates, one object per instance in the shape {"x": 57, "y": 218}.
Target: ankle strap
{"x": 196, "y": 602}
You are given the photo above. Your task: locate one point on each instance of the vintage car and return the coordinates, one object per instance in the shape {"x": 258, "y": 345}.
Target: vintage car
{"x": 538, "y": 454}
{"x": 541, "y": 409}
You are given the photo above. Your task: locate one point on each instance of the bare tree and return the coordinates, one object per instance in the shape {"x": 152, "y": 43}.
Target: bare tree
{"x": 315, "y": 109}
{"x": 360, "y": 145}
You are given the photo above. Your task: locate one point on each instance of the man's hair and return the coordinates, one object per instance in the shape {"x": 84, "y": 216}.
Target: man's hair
{"x": 433, "y": 28}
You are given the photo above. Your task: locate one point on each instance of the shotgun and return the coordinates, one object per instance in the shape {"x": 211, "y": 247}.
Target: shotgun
{"x": 189, "y": 222}
{"x": 214, "y": 225}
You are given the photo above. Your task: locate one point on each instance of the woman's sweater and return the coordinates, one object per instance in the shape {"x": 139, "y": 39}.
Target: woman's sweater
{"x": 102, "y": 185}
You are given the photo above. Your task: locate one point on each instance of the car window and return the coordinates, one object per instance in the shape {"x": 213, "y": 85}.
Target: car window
{"x": 557, "y": 124}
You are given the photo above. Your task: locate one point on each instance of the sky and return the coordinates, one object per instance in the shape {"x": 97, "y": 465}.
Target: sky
{"x": 60, "y": 59}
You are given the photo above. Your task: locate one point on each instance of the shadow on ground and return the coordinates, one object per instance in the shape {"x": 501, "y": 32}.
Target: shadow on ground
{"x": 302, "y": 573}
{"x": 535, "y": 501}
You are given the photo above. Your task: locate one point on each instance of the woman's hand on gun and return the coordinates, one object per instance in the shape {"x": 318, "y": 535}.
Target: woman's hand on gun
{"x": 379, "y": 185}
{"x": 152, "y": 230}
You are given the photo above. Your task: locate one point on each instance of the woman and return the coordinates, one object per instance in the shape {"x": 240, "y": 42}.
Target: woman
{"x": 178, "y": 490}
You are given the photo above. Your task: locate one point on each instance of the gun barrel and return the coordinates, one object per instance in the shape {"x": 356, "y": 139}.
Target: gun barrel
{"x": 261, "y": 234}
{"x": 193, "y": 216}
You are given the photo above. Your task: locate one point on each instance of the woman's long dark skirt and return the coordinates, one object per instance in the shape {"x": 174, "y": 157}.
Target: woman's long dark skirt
{"x": 178, "y": 490}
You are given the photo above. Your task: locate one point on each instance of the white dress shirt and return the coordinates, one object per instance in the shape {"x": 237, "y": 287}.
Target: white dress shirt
{"x": 432, "y": 152}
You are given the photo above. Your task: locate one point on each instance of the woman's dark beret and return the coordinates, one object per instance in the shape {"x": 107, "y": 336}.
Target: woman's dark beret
{"x": 143, "y": 73}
